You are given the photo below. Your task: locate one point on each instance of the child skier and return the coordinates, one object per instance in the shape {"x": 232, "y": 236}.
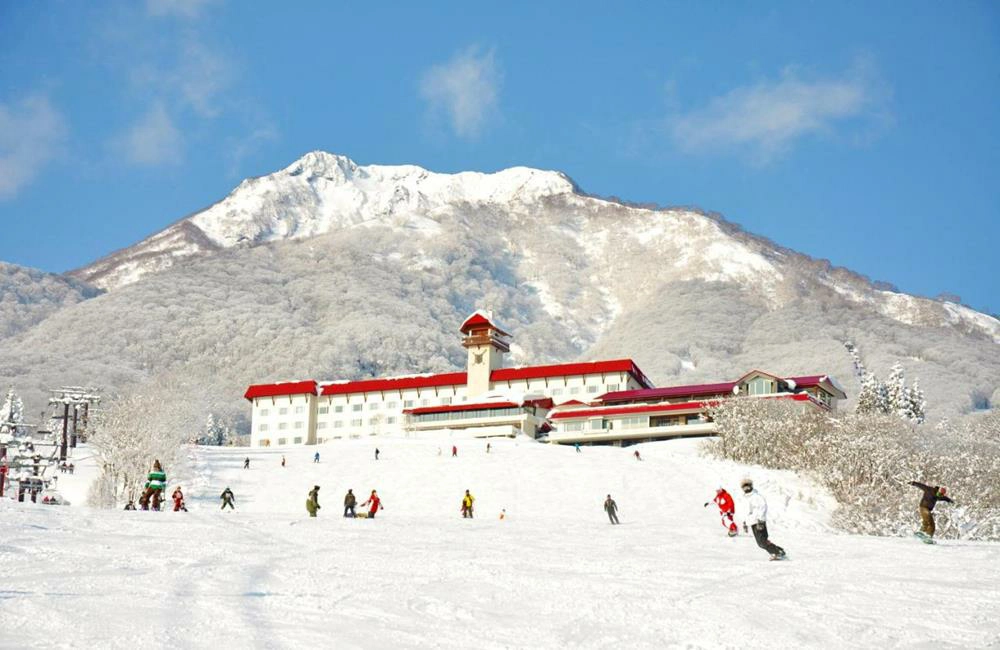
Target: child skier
{"x": 375, "y": 504}
{"x": 726, "y": 509}
{"x": 312, "y": 503}
{"x": 611, "y": 508}
{"x": 178, "y": 498}
{"x": 757, "y": 518}
{"x": 467, "y": 502}
{"x": 227, "y": 499}
{"x": 932, "y": 494}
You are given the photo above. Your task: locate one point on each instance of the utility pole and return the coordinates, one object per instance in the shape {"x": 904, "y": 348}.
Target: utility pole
{"x": 75, "y": 396}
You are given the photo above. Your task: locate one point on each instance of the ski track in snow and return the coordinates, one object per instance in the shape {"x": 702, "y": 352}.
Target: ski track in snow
{"x": 553, "y": 574}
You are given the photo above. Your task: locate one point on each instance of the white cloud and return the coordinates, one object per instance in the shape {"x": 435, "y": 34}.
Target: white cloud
{"x": 32, "y": 132}
{"x": 239, "y": 150}
{"x": 466, "y": 88}
{"x": 766, "y": 118}
{"x": 153, "y": 140}
{"x": 179, "y": 8}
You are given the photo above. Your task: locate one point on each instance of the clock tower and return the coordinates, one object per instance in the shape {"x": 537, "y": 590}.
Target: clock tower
{"x": 486, "y": 344}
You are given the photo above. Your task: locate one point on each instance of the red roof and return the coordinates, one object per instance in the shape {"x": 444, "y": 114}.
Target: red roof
{"x": 623, "y": 410}
{"x": 695, "y": 390}
{"x": 569, "y": 369}
{"x": 479, "y": 318}
{"x": 395, "y": 383}
{"x": 287, "y": 388}
{"x": 453, "y": 408}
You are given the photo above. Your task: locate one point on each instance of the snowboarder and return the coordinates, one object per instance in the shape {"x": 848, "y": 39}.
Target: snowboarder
{"x": 227, "y": 499}
{"x": 375, "y": 504}
{"x": 156, "y": 481}
{"x": 757, "y": 518}
{"x": 487, "y": 447}
{"x": 246, "y": 463}
{"x": 636, "y": 454}
{"x": 454, "y": 451}
{"x": 611, "y": 508}
{"x": 467, "y": 502}
{"x": 282, "y": 461}
{"x": 376, "y": 453}
{"x": 726, "y": 509}
{"x": 577, "y": 446}
{"x": 312, "y": 503}
{"x": 316, "y": 457}
{"x": 349, "y": 502}
{"x": 178, "y": 498}
{"x": 932, "y": 494}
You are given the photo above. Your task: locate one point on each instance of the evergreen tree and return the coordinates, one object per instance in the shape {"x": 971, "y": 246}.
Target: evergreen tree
{"x": 870, "y": 397}
{"x": 897, "y": 394}
{"x": 12, "y": 412}
{"x": 917, "y": 403}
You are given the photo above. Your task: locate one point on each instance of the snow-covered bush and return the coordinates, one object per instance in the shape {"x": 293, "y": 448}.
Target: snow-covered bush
{"x": 868, "y": 460}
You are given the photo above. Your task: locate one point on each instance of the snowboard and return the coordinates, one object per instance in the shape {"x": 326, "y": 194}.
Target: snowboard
{"x": 924, "y": 537}
{"x": 778, "y": 558}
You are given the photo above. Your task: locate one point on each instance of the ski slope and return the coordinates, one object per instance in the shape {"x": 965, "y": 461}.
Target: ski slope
{"x": 554, "y": 573}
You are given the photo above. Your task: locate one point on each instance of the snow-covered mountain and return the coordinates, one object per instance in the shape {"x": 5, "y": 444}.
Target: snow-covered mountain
{"x": 330, "y": 269}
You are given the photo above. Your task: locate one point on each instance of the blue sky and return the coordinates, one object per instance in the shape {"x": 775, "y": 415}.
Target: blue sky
{"x": 863, "y": 133}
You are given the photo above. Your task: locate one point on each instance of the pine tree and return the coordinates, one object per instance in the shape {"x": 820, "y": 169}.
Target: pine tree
{"x": 869, "y": 398}
{"x": 12, "y": 412}
{"x": 897, "y": 395}
{"x": 917, "y": 402}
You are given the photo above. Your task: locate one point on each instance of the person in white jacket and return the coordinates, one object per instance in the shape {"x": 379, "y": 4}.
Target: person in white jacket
{"x": 757, "y": 519}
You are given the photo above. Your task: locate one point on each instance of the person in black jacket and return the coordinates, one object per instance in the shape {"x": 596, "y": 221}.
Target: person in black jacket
{"x": 932, "y": 494}
{"x": 349, "y": 503}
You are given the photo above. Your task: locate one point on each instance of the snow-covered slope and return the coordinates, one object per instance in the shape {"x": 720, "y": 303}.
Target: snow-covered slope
{"x": 553, "y": 574}
{"x": 28, "y": 296}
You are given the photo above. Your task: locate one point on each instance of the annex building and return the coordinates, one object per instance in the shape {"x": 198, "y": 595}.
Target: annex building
{"x": 596, "y": 402}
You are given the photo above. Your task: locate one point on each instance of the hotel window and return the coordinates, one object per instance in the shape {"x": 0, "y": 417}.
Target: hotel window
{"x": 574, "y": 390}
{"x": 323, "y": 410}
{"x": 282, "y": 441}
{"x": 391, "y": 405}
{"x": 373, "y": 421}
{"x": 264, "y": 412}
{"x": 299, "y": 410}
{"x": 556, "y": 391}
{"x": 390, "y": 420}
{"x": 298, "y": 441}
{"x": 759, "y": 386}
{"x": 321, "y": 425}
{"x": 373, "y": 406}
{"x": 612, "y": 388}
{"x": 357, "y": 407}
{"x": 262, "y": 427}
{"x": 425, "y": 402}
{"x": 338, "y": 409}
{"x": 446, "y": 400}
{"x": 597, "y": 424}
{"x": 282, "y": 425}
{"x": 573, "y": 426}
{"x": 282, "y": 411}
{"x": 357, "y": 423}
{"x": 299, "y": 424}
{"x": 591, "y": 389}
{"x": 633, "y": 422}
{"x": 338, "y": 424}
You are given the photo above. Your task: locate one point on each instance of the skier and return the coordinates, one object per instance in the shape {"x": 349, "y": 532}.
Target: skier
{"x": 156, "y": 480}
{"x": 312, "y": 503}
{"x": 611, "y": 508}
{"x": 487, "y": 447}
{"x": 375, "y": 503}
{"x": 349, "y": 502}
{"x": 726, "y": 509}
{"x": 316, "y": 457}
{"x": 577, "y": 445}
{"x": 454, "y": 451}
{"x": 246, "y": 463}
{"x": 636, "y": 454}
{"x": 227, "y": 499}
{"x": 757, "y": 518}
{"x": 467, "y": 502}
{"x": 932, "y": 494}
{"x": 130, "y": 505}
{"x": 282, "y": 461}
{"x": 178, "y": 498}
{"x": 376, "y": 453}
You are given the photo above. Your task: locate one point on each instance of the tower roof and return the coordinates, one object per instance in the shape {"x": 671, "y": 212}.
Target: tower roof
{"x": 479, "y": 317}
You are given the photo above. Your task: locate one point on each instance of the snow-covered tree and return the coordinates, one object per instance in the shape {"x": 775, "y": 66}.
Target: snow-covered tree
{"x": 11, "y": 412}
{"x": 899, "y": 398}
{"x": 917, "y": 402}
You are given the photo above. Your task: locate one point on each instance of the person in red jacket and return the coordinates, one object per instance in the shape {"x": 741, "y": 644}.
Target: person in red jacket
{"x": 178, "y": 498}
{"x": 726, "y": 509}
{"x": 375, "y": 504}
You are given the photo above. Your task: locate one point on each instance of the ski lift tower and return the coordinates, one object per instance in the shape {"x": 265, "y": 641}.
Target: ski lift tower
{"x": 79, "y": 399}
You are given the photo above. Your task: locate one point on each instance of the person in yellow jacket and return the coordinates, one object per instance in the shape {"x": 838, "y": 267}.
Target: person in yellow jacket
{"x": 467, "y": 502}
